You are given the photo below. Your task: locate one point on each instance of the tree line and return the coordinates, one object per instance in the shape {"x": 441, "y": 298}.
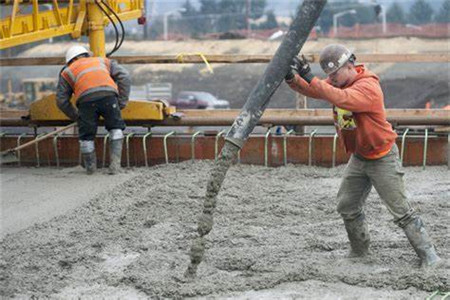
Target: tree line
{"x": 230, "y": 15}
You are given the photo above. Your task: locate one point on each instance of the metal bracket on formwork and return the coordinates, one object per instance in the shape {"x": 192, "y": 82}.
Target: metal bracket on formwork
{"x": 144, "y": 146}
{"x": 402, "y": 149}
{"x": 166, "y": 154}
{"x": 55, "y": 148}
{"x": 266, "y": 146}
{"x": 193, "y": 145}
{"x": 105, "y": 141}
{"x": 448, "y": 151}
{"x": 285, "y": 145}
{"x": 128, "y": 147}
{"x": 333, "y": 161}
{"x": 445, "y": 295}
{"x": 311, "y": 137}
{"x": 216, "y": 145}
{"x": 18, "y": 151}
{"x": 425, "y": 149}
{"x": 36, "y": 147}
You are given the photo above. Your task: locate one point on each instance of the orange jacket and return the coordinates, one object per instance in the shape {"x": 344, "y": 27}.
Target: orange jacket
{"x": 89, "y": 75}
{"x": 373, "y": 136}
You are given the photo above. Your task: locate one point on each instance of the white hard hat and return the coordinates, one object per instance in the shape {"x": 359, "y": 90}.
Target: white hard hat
{"x": 74, "y": 51}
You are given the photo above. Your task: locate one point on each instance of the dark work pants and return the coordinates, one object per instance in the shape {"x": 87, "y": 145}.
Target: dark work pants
{"x": 90, "y": 112}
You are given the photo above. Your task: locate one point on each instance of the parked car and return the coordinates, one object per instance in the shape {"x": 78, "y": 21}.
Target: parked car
{"x": 199, "y": 100}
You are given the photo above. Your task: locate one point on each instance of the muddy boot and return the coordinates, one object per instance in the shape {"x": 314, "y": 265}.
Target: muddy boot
{"x": 358, "y": 235}
{"x": 115, "y": 150}
{"x": 90, "y": 162}
{"x": 421, "y": 242}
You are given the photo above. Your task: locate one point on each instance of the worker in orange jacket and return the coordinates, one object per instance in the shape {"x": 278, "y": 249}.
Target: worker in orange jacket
{"x": 101, "y": 88}
{"x": 360, "y": 120}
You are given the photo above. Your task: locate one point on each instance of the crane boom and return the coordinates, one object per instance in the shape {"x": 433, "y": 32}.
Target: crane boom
{"x": 29, "y": 22}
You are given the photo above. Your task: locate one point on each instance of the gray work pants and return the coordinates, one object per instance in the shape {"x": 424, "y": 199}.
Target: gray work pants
{"x": 386, "y": 175}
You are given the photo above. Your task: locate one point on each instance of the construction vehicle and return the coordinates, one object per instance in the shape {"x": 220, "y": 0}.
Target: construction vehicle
{"x": 32, "y": 90}
{"x": 38, "y": 88}
{"x": 29, "y": 22}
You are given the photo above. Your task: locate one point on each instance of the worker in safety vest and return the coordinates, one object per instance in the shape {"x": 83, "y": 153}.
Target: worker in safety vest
{"x": 360, "y": 120}
{"x": 101, "y": 88}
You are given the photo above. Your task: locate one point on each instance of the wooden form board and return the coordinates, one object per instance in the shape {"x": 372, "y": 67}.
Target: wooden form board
{"x": 443, "y": 57}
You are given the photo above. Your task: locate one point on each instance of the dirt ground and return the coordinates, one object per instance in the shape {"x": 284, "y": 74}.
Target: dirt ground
{"x": 405, "y": 85}
{"x": 276, "y": 236}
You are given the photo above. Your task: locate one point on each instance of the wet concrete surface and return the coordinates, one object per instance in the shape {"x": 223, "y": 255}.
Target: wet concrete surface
{"x": 276, "y": 235}
{"x": 35, "y": 195}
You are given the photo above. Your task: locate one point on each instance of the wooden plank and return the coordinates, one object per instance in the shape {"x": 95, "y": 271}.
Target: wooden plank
{"x": 392, "y": 112}
{"x": 443, "y": 57}
{"x": 430, "y": 117}
{"x": 226, "y": 113}
{"x": 12, "y": 113}
{"x": 444, "y": 129}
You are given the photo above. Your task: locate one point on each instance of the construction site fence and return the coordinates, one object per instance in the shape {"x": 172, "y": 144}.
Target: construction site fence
{"x": 357, "y": 31}
{"x": 371, "y": 31}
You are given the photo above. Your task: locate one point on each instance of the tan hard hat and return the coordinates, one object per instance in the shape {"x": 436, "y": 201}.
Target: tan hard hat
{"x": 333, "y": 57}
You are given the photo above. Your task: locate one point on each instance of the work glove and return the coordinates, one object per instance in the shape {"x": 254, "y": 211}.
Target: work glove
{"x": 301, "y": 67}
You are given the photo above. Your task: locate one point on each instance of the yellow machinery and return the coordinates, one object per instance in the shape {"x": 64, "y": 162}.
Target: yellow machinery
{"x": 82, "y": 17}
{"x": 32, "y": 20}
{"x": 137, "y": 110}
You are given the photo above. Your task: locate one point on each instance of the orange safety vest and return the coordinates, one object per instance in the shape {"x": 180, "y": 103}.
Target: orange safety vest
{"x": 88, "y": 75}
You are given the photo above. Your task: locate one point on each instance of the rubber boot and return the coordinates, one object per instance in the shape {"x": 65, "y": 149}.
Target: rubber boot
{"x": 115, "y": 151}
{"x": 421, "y": 242}
{"x": 90, "y": 162}
{"x": 358, "y": 235}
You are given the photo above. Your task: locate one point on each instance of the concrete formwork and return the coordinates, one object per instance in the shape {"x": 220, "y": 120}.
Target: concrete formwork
{"x": 179, "y": 148}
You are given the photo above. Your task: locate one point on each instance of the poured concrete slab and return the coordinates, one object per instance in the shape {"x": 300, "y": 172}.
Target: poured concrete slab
{"x": 276, "y": 235}
{"x": 36, "y": 195}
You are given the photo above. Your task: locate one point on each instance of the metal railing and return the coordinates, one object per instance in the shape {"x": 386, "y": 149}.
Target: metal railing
{"x": 193, "y": 138}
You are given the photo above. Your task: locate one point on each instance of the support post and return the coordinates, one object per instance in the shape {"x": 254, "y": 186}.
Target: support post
{"x": 96, "y": 29}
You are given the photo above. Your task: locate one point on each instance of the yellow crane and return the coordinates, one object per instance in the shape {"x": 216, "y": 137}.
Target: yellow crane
{"x": 34, "y": 20}
{"x": 29, "y": 22}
